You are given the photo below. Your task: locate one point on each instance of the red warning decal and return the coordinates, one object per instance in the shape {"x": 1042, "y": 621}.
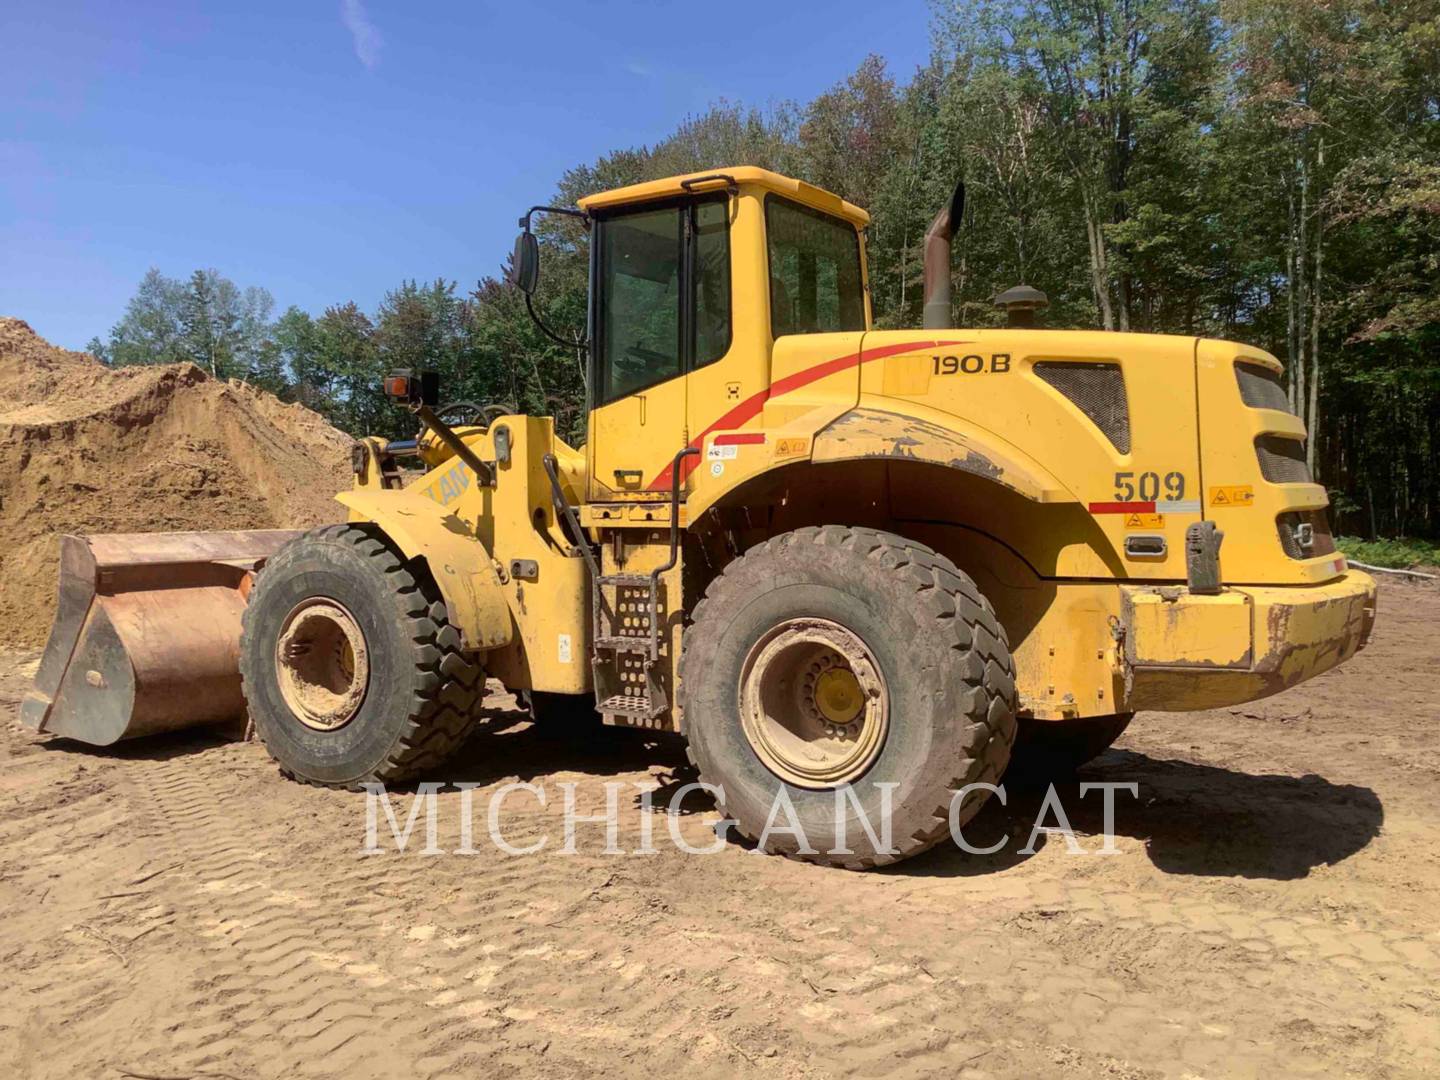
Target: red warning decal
{"x": 1123, "y": 507}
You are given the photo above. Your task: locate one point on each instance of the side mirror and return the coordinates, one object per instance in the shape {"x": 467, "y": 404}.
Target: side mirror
{"x": 524, "y": 271}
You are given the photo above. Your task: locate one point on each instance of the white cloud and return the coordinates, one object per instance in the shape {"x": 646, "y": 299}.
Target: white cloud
{"x": 367, "y": 38}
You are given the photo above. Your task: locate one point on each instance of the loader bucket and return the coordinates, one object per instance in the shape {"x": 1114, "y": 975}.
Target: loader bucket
{"x": 147, "y": 633}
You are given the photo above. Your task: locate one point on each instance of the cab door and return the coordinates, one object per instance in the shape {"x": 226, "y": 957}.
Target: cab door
{"x": 638, "y": 355}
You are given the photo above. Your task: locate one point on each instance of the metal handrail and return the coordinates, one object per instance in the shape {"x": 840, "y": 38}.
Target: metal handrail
{"x": 674, "y": 515}
{"x": 563, "y": 507}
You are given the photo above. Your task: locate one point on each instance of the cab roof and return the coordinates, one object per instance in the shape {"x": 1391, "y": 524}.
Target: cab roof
{"x": 747, "y": 175}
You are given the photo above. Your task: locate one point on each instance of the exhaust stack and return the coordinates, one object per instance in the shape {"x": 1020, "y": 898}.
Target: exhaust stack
{"x": 937, "y": 260}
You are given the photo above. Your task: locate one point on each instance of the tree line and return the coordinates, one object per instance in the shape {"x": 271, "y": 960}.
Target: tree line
{"x": 1251, "y": 169}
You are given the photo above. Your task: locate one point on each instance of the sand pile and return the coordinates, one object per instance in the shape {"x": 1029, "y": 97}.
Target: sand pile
{"x": 84, "y": 448}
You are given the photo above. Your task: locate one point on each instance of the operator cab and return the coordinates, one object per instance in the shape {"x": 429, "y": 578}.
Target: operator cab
{"x": 692, "y": 281}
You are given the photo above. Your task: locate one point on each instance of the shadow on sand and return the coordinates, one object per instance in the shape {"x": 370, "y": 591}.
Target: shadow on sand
{"x": 1192, "y": 818}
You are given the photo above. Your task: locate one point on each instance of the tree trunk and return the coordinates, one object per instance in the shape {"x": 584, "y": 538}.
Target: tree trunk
{"x": 1292, "y": 314}
{"x": 1099, "y": 274}
{"x": 1302, "y": 296}
{"x": 1312, "y": 423}
{"x": 1432, "y": 462}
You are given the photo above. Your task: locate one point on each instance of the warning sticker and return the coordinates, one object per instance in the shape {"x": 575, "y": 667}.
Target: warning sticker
{"x": 1232, "y": 495}
{"x": 1144, "y": 521}
{"x": 792, "y": 447}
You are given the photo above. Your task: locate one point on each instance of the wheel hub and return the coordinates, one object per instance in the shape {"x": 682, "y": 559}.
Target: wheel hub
{"x": 814, "y": 706}
{"x": 322, "y": 664}
{"x": 838, "y": 696}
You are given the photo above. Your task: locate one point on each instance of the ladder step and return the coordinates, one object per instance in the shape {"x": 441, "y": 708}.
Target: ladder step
{"x": 627, "y": 705}
{"x": 625, "y": 579}
{"x": 624, "y": 644}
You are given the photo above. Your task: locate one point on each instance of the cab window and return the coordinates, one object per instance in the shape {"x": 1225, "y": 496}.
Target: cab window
{"x": 712, "y": 282}
{"x": 663, "y": 294}
{"x": 815, "y": 283}
{"x": 640, "y": 296}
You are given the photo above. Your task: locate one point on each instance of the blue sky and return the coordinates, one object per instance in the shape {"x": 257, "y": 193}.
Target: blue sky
{"x": 327, "y": 150}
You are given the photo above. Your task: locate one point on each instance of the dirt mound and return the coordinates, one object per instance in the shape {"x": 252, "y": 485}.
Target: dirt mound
{"x": 84, "y": 448}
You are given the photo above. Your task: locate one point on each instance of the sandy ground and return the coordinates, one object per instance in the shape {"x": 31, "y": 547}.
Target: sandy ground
{"x": 177, "y": 909}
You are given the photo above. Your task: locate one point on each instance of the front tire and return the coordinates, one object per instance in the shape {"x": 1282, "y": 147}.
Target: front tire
{"x": 833, "y": 657}
{"x": 351, "y": 669}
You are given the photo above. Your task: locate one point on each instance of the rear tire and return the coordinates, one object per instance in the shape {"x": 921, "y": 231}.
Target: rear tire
{"x": 401, "y": 697}
{"x": 833, "y": 656}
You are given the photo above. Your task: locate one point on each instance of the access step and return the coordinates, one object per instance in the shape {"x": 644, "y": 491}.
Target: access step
{"x": 636, "y": 705}
{"x": 632, "y": 580}
{"x": 625, "y": 643}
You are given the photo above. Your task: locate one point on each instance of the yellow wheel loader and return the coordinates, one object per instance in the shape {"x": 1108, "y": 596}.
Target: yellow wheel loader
{"x": 833, "y": 558}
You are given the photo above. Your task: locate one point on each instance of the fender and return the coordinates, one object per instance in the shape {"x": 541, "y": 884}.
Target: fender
{"x": 938, "y": 439}
{"x": 461, "y": 565}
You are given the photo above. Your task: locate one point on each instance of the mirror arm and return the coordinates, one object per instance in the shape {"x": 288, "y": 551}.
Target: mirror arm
{"x": 582, "y": 343}
{"x": 567, "y": 211}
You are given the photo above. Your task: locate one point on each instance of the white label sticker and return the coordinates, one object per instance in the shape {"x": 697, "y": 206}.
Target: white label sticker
{"x": 717, "y": 468}
{"x": 565, "y": 648}
{"x": 722, "y": 453}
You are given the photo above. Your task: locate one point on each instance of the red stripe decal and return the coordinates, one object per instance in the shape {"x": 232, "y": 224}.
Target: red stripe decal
{"x": 750, "y": 408}
{"x": 1122, "y": 508}
{"x": 740, "y": 438}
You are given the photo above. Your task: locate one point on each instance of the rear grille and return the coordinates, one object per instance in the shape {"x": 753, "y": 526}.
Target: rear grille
{"x": 1282, "y": 460}
{"x": 1098, "y": 390}
{"x": 1299, "y": 526}
{"x": 1261, "y": 388}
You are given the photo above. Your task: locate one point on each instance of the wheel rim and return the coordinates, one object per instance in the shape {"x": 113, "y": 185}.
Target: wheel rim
{"x": 813, "y": 704}
{"x": 322, "y": 664}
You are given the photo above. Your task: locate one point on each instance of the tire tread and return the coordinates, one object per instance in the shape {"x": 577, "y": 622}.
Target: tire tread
{"x": 448, "y": 685}
{"x": 957, "y": 609}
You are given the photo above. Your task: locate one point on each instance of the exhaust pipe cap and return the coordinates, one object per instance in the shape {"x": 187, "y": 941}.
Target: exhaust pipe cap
{"x": 1022, "y": 304}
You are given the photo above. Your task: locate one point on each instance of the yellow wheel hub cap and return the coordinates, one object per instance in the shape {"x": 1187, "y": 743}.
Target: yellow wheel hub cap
{"x": 813, "y": 704}
{"x": 838, "y": 695}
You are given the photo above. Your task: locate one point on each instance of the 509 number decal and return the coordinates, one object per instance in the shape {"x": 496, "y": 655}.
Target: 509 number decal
{"x": 1148, "y": 486}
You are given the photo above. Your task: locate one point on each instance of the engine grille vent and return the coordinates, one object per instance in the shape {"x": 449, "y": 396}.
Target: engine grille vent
{"x": 1098, "y": 390}
{"x": 1282, "y": 460}
{"x": 1261, "y": 388}
{"x": 1305, "y": 534}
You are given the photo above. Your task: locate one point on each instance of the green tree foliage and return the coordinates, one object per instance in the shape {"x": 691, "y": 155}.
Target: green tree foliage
{"x": 207, "y": 321}
{"x": 1260, "y": 170}
{"x": 150, "y": 331}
